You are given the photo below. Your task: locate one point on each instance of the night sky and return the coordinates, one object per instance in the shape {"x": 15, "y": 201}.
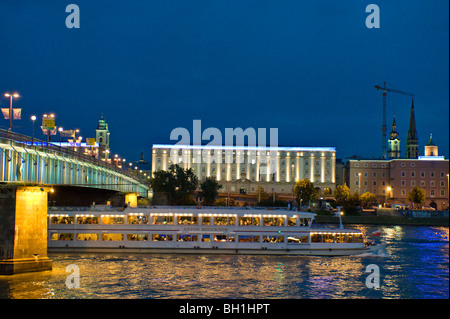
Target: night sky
{"x": 307, "y": 68}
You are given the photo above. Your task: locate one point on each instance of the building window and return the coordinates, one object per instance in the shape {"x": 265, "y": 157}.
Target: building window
{"x": 413, "y": 174}
{"x": 383, "y": 165}
{"x": 403, "y": 192}
{"x": 413, "y": 183}
{"x": 356, "y": 165}
{"x": 366, "y": 165}
{"x": 442, "y": 174}
{"x": 422, "y": 183}
{"x": 403, "y": 174}
{"x": 374, "y": 183}
{"x": 431, "y": 174}
{"x": 422, "y": 174}
{"x": 402, "y": 164}
{"x": 365, "y": 174}
{"x": 403, "y": 183}
{"x": 432, "y": 183}
{"x": 374, "y": 174}
{"x": 431, "y": 192}
{"x": 442, "y": 183}
{"x": 413, "y": 164}
{"x": 442, "y": 192}
{"x": 383, "y": 174}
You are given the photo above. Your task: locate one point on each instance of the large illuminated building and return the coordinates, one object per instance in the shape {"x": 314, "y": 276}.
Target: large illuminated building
{"x": 243, "y": 169}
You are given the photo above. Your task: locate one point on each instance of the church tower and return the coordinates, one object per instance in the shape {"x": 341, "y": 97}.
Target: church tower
{"x": 431, "y": 149}
{"x": 102, "y": 135}
{"x": 412, "y": 142}
{"x": 393, "y": 142}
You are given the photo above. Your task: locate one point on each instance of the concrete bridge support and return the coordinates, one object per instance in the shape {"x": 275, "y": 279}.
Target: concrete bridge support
{"x": 23, "y": 230}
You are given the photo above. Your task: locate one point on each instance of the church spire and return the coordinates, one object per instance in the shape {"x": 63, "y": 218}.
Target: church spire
{"x": 394, "y": 142}
{"x": 412, "y": 142}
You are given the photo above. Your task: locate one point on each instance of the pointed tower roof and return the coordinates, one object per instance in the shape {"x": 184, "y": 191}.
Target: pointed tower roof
{"x": 412, "y": 132}
{"x": 394, "y": 134}
{"x": 430, "y": 143}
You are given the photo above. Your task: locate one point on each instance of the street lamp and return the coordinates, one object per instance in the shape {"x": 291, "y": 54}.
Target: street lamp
{"x": 60, "y": 129}
{"x": 388, "y": 193}
{"x": 359, "y": 183}
{"x": 11, "y": 95}
{"x": 33, "y": 118}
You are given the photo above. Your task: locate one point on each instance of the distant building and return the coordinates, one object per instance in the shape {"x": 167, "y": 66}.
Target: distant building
{"x": 102, "y": 138}
{"x": 392, "y": 180}
{"x": 393, "y": 142}
{"x": 412, "y": 142}
{"x": 243, "y": 169}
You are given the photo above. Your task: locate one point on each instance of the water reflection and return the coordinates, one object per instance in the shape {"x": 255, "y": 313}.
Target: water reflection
{"x": 417, "y": 267}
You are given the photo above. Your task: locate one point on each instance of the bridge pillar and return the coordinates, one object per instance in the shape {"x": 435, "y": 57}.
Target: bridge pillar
{"x": 23, "y": 230}
{"x": 131, "y": 199}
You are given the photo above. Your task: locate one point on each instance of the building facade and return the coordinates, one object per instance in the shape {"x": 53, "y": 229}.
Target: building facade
{"x": 392, "y": 180}
{"x": 243, "y": 169}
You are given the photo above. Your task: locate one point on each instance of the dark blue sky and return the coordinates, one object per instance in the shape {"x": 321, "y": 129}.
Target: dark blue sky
{"x": 306, "y": 67}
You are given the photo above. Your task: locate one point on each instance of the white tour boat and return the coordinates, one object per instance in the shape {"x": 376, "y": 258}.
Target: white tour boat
{"x": 197, "y": 231}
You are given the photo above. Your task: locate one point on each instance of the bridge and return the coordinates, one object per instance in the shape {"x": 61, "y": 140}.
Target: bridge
{"x": 26, "y": 161}
{"x": 29, "y": 170}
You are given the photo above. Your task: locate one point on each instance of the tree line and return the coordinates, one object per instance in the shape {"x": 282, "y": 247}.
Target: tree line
{"x": 179, "y": 186}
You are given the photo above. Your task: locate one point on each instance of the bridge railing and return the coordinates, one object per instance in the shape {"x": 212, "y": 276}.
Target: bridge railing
{"x": 39, "y": 144}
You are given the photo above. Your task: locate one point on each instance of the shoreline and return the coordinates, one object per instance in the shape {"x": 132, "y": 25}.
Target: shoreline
{"x": 384, "y": 220}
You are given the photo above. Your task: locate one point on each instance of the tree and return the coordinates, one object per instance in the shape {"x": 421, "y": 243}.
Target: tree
{"x": 304, "y": 191}
{"x": 417, "y": 195}
{"x": 209, "y": 190}
{"x": 341, "y": 194}
{"x": 177, "y": 183}
{"x": 367, "y": 199}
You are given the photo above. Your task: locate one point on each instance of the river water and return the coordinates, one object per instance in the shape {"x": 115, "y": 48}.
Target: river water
{"x": 416, "y": 266}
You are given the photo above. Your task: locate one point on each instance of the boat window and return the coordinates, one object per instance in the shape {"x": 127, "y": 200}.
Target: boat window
{"x": 206, "y": 238}
{"x": 62, "y": 220}
{"x": 273, "y": 239}
{"x": 137, "y": 219}
{"x": 248, "y": 239}
{"x": 298, "y": 239}
{"x": 112, "y": 237}
{"x": 137, "y": 237}
{"x": 87, "y": 236}
{"x": 339, "y": 238}
{"x": 223, "y": 238}
{"x": 162, "y": 237}
{"x": 162, "y": 220}
{"x": 328, "y": 238}
{"x": 249, "y": 221}
{"x": 206, "y": 220}
{"x": 187, "y": 220}
{"x": 304, "y": 221}
{"x": 87, "y": 220}
{"x": 113, "y": 219}
{"x": 316, "y": 238}
{"x": 292, "y": 221}
{"x": 222, "y": 220}
{"x": 62, "y": 236}
{"x": 187, "y": 237}
{"x": 354, "y": 238}
{"x": 273, "y": 221}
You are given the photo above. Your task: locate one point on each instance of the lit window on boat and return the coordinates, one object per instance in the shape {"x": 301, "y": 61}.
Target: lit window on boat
{"x": 224, "y": 238}
{"x": 297, "y": 239}
{"x": 206, "y": 220}
{"x": 223, "y": 220}
{"x": 206, "y": 238}
{"x": 137, "y": 237}
{"x": 112, "y": 237}
{"x": 62, "y": 236}
{"x": 249, "y": 221}
{"x": 62, "y": 219}
{"x": 113, "y": 219}
{"x": 85, "y": 236}
{"x": 87, "y": 219}
{"x": 304, "y": 221}
{"x": 182, "y": 237}
{"x": 248, "y": 239}
{"x": 162, "y": 237}
{"x": 273, "y": 221}
{"x": 187, "y": 220}
{"x": 163, "y": 220}
{"x": 292, "y": 221}
{"x": 137, "y": 219}
{"x": 273, "y": 239}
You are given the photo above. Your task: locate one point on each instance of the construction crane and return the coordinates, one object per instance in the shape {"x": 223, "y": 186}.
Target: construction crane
{"x": 383, "y": 128}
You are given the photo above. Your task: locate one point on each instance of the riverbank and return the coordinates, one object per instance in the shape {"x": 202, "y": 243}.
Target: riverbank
{"x": 383, "y": 220}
